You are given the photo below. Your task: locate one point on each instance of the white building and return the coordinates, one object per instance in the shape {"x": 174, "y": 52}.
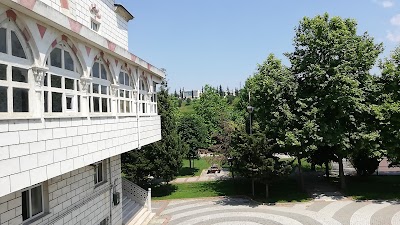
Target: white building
{"x": 72, "y": 100}
{"x": 193, "y": 94}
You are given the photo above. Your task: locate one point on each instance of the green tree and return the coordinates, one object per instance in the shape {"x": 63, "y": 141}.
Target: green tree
{"x": 278, "y": 112}
{"x": 211, "y": 108}
{"x": 255, "y": 159}
{"x": 332, "y": 63}
{"x": 193, "y": 132}
{"x": 388, "y": 110}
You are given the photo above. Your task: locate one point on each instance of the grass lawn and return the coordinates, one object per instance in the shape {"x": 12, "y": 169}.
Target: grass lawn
{"x": 186, "y": 109}
{"x": 199, "y": 165}
{"x": 372, "y": 187}
{"x": 282, "y": 191}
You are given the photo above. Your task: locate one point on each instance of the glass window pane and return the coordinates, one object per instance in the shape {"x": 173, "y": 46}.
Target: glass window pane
{"x": 55, "y": 81}
{"x": 25, "y": 205}
{"x": 68, "y": 62}
{"x": 104, "y": 90}
{"x": 69, "y": 102}
{"x": 96, "y": 104}
{"x": 37, "y": 204}
{"x": 3, "y": 72}
{"x": 45, "y": 79}
{"x": 121, "y": 93}
{"x": 55, "y": 57}
{"x": 95, "y": 88}
{"x": 121, "y": 78}
{"x": 95, "y": 70}
{"x": 104, "y": 107}
{"x": 46, "y": 101}
{"x": 79, "y": 103}
{"x": 20, "y": 100}
{"x": 128, "y": 107}
{"x": 127, "y": 94}
{"x": 17, "y": 49}
{"x": 56, "y": 101}
{"x": 127, "y": 80}
{"x": 3, "y": 41}
{"x": 69, "y": 84}
{"x": 100, "y": 172}
{"x": 121, "y": 106}
{"x": 103, "y": 72}
{"x": 3, "y": 99}
{"x": 19, "y": 75}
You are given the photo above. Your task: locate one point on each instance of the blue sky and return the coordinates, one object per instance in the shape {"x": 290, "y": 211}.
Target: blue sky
{"x": 221, "y": 41}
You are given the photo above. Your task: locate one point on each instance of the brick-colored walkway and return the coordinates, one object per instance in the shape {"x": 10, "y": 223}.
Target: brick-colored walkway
{"x": 235, "y": 211}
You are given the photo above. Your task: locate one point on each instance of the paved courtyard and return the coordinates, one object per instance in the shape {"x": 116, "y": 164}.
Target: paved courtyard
{"x": 238, "y": 211}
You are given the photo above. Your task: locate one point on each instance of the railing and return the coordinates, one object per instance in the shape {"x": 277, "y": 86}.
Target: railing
{"x": 136, "y": 193}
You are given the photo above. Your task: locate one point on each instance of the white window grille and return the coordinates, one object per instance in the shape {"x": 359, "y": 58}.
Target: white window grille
{"x": 15, "y": 76}
{"x": 125, "y": 97}
{"x": 100, "y": 99}
{"x": 61, "y": 83}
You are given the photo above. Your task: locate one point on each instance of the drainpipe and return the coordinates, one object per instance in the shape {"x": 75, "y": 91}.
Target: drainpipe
{"x": 137, "y": 106}
{"x": 111, "y": 189}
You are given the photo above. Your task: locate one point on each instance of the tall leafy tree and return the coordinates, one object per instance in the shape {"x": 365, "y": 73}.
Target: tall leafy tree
{"x": 332, "y": 63}
{"x": 211, "y": 108}
{"x": 193, "y": 132}
{"x": 278, "y": 112}
{"x": 389, "y": 108}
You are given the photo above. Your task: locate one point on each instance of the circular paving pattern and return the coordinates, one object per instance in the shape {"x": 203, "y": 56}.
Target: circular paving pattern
{"x": 236, "y": 211}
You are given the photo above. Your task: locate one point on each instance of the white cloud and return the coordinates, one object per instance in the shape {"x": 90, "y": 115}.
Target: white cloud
{"x": 393, "y": 37}
{"x": 395, "y": 20}
{"x": 385, "y": 3}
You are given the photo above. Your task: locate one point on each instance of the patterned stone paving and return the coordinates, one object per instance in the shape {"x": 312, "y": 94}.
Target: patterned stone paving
{"x": 238, "y": 211}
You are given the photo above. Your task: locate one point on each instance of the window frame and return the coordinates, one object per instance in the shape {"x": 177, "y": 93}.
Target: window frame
{"x": 96, "y": 23}
{"x": 29, "y": 189}
{"x": 96, "y": 181}
{"x": 143, "y": 98}
{"x": 123, "y": 101}
{"x": 11, "y": 61}
{"x": 64, "y": 74}
{"x": 101, "y": 83}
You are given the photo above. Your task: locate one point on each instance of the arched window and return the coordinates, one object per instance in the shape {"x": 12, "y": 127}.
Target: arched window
{"x": 61, "y": 83}
{"x": 15, "y": 76}
{"x": 100, "y": 99}
{"x": 126, "y": 87}
{"x": 143, "y": 91}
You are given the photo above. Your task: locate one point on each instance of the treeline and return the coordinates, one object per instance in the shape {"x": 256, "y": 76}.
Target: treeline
{"x": 325, "y": 107}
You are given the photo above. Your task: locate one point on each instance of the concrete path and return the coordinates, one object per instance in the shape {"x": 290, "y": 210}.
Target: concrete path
{"x": 224, "y": 174}
{"x": 235, "y": 211}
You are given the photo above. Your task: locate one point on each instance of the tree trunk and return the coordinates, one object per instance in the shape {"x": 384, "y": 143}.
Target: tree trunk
{"x": 341, "y": 174}
{"x": 327, "y": 168}
{"x": 266, "y": 191}
{"x": 300, "y": 173}
{"x": 190, "y": 163}
{"x": 313, "y": 167}
{"x": 252, "y": 186}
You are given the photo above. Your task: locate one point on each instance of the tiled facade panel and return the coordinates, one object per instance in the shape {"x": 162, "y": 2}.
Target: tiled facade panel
{"x": 32, "y": 151}
{"x": 150, "y": 130}
{"x": 112, "y": 26}
{"x": 73, "y": 199}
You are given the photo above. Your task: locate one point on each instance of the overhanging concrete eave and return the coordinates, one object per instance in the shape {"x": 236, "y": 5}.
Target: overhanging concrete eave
{"x": 85, "y": 34}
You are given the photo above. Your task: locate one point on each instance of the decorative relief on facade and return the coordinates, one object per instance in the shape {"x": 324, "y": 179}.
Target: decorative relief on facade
{"x": 85, "y": 83}
{"x": 39, "y": 73}
{"x": 114, "y": 89}
{"x": 95, "y": 11}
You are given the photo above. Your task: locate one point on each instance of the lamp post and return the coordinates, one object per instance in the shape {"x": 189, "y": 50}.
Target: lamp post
{"x": 230, "y": 161}
{"x": 250, "y": 109}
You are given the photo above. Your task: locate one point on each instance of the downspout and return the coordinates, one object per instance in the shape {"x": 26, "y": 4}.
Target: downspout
{"x": 111, "y": 189}
{"x": 137, "y": 106}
